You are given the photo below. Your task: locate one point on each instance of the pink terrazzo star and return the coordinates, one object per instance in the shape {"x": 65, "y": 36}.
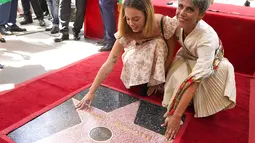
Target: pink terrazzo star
{"x": 119, "y": 121}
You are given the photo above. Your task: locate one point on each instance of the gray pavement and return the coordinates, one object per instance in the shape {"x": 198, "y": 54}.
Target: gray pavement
{"x": 30, "y": 54}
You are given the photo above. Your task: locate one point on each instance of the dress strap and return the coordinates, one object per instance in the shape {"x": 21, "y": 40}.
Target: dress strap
{"x": 162, "y": 29}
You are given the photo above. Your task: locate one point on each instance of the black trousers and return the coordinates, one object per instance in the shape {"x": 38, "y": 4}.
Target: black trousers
{"x": 80, "y": 13}
{"x": 44, "y": 5}
{"x": 65, "y": 13}
{"x": 36, "y": 7}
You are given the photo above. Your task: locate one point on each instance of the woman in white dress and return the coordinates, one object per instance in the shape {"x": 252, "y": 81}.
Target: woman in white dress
{"x": 199, "y": 74}
{"x": 145, "y": 51}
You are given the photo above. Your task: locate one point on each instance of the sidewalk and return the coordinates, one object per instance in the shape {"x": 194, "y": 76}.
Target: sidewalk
{"x": 27, "y": 55}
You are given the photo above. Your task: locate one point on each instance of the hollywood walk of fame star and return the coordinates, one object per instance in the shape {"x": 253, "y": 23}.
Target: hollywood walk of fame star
{"x": 119, "y": 121}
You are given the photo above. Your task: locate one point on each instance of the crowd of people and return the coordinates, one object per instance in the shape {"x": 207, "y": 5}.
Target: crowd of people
{"x": 59, "y": 12}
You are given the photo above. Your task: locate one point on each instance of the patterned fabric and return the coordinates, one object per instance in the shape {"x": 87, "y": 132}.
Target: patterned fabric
{"x": 201, "y": 60}
{"x": 192, "y": 79}
{"x": 144, "y": 60}
{"x": 218, "y": 57}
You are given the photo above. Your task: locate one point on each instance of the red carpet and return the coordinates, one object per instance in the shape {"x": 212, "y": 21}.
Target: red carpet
{"x": 5, "y": 139}
{"x": 32, "y": 98}
{"x": 231, "y": 126}
{"x": 252, "y": 112}
{"x": 241, "y": 11}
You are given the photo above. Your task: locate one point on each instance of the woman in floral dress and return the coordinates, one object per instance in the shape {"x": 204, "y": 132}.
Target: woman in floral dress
{"x": 147, "y": 53}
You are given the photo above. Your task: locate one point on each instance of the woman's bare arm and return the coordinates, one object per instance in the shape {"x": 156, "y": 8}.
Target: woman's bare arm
{"x": 171, "y": 46}
{"x": 185, "y": 100}
{"x": 173, "y": 122}
{"x": 107, "y": 66}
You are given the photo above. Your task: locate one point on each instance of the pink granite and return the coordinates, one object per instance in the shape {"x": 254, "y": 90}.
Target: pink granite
{"x": 120, "y": 122}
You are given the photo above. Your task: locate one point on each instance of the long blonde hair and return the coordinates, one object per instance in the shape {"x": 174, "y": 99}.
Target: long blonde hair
{"x": 143, "y": 5}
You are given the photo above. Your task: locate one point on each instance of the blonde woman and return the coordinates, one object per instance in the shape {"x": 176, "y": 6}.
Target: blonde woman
{"x": 146, "y": 54}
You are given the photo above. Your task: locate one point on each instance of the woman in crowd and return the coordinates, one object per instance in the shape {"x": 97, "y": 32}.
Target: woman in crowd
{"x": 199, "y": 74}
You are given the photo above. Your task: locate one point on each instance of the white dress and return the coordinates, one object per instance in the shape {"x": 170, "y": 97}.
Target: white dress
{"x": 144, "y": 60}
{"x": 200, "y": 59}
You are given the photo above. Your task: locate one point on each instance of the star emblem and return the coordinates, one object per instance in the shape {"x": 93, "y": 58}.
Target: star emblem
{"x": 120, "y": 122}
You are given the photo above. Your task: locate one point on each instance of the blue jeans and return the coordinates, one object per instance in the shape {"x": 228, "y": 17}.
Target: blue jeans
{"x": 5, "y": 10}
{"x": 13, "y": 13}
{"x": 53, "y": 6}
{"x": 108, "y": 16}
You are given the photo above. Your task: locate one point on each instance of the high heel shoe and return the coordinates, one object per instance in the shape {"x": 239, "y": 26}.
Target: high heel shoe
{"x": 2, "y": 40}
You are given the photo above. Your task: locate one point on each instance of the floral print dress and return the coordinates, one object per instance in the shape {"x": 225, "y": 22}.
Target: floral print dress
{"x": 144, "y": 60}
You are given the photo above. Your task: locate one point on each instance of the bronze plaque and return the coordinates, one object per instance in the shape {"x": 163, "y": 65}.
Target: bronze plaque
{"x": 100, "y": 134}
